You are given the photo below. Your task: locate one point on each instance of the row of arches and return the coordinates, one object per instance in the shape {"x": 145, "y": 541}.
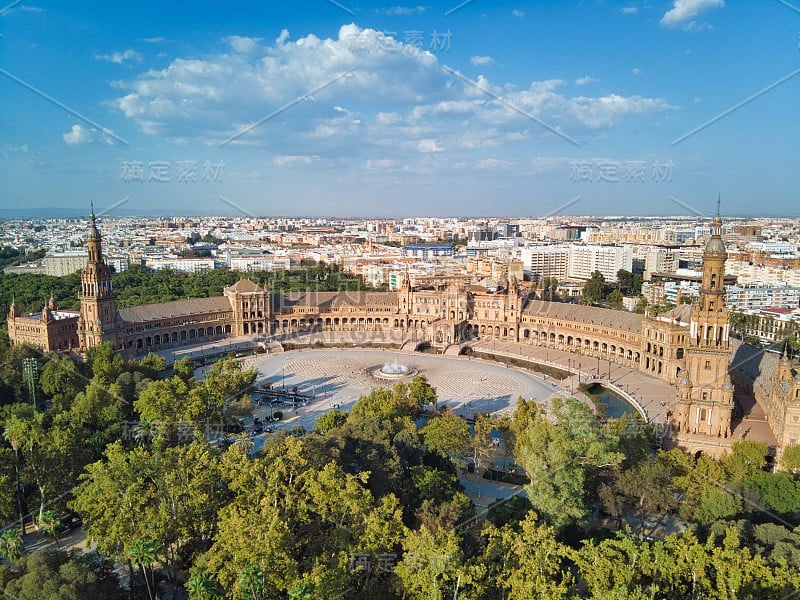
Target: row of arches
{"x": 180, "y": 337}
{"x": 346, "y": 324}
{"x": 595, "y": 347}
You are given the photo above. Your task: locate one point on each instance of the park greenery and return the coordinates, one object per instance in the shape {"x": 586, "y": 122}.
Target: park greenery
{"x": 369, "y": 503}
{"x": 139, "y": 285}
{"x": 597, "y": 291}
{"x": 11, "y": 256}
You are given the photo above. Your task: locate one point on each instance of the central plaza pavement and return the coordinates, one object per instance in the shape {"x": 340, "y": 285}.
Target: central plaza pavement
{"x": 652, "y": 395}
{"x": 338, "y": 377}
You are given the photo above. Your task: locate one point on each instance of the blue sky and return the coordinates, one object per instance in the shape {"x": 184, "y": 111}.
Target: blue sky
{"x": 498, "y": 108}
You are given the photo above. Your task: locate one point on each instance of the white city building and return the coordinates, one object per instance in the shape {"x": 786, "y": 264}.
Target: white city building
{"x": 585, "y": 260}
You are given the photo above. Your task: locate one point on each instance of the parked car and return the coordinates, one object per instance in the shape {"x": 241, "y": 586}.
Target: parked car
{"x": 69, "y": 521}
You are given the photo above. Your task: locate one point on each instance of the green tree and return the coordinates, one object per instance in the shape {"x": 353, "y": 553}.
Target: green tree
{"x": 563, "y": 459}
{"x": 251, "y": 582}
{"x": 11, "y": 545}
{"x": 168, "y": 494}
{"x": 536, "y": 564}
{"x": 53, "y": 456}
{"x": 48, "y": 526}
{"x": 615, "y": 300}
{"x": 449, "y": 435}
{"x": 309, "y": 522}
{"x": 791, "y": 460}
{"x": 59, "y": 575}
{"x": 144, "y": 553}
{"x": 15, "y": 433}
{"x": 244, "y": 443}
{"x": 422, "y": 391}
{"x": 432, "y": 566}
{"x": 625, "y": 280}
{"x": 482, "y": 445}
{"x": 647, "y": 488}
{"x": 201, "y": 587}
{"x": 745, "y": 459}
{"x": 594, "y": 290}
{"x": 184, "y": 368}
{"x": 780, "y": 491}
{"x": 61, "y": 381}
{"x": 330, "y": 420}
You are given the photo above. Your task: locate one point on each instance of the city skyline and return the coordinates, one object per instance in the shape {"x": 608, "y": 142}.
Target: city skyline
{"x": 361, "y": 109}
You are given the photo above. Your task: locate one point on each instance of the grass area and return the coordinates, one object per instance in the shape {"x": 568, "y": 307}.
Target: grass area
{"x": 553, "y": 372}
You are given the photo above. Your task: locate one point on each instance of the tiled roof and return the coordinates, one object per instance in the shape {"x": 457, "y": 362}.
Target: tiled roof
{"x": 329, "y": 300}
{"x": 176, "y": 308}
{"x": 244, "y": 286}
{"x": 753, "y": 363}
{"x": 618, "y": 319}
{"x": 682, "y": 312}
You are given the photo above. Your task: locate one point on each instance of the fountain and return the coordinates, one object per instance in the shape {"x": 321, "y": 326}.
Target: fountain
{"x": 394, "y": 370}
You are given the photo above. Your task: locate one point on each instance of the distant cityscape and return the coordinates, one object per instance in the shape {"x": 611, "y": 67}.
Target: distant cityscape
{"x": 762, "y": 271}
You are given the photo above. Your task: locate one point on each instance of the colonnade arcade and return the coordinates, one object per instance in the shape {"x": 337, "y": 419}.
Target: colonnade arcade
{"x": 548, "y": 338}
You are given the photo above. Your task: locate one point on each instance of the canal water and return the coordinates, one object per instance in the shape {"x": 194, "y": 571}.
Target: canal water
{"x": 616, "y": 405}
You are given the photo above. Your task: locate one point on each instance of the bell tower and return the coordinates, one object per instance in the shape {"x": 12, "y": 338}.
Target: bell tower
{"x": 98, "y": 318}
{"x": 705, "y": 402}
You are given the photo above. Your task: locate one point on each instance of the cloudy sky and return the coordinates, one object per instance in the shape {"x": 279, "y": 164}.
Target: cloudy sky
{"x": 351, "y": 108}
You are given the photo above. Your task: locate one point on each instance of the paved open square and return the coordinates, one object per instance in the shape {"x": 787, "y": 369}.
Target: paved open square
{"x": 339, "y": 376}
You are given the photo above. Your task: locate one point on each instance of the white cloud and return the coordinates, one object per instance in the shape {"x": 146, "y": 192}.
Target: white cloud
{"x": 629, "y": 10}
{"x": 397, "y": 103}
{"x": 585, "y": 79}
{"x": 120, "y": 57}
{"x": 429, "y": 146}
{"x": 517, "y": 13}
{"x": 293, "y": 160}
{"x": 684, "y": 12}
{"x": 244, "y": 45}
{"x": 78, "y": 135}
{"x": 154, "y": 40}
{"x": 636, "y": 71}
{"x": 381, "y": 163}
{"x": 403, "y": 10}
{"x": 481, "y": 61}
{"x": 494, "y": 164}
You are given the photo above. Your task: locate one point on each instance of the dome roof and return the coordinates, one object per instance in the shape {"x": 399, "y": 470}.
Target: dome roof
{"x": 94, "y": 234}
{"x": 715, "y": 246}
